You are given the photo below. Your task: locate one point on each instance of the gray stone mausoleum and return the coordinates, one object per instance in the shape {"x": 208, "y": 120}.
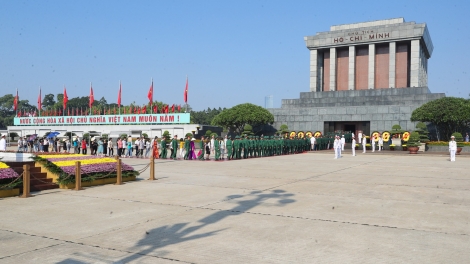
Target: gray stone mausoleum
{"x": 364, "y": 76}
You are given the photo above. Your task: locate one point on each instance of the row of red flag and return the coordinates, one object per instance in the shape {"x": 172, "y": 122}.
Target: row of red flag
{"x": 92, "y": 97}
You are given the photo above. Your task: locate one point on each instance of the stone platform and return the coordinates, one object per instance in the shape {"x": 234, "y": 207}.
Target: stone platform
{"x": 305, "y": 208}
{"x": 381, "y": 107}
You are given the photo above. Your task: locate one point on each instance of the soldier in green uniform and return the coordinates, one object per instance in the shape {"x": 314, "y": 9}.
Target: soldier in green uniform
{"x": 229, "y": 148}
{"x": 174, "y": 147}
{"x": 246, "y": 147}
{"x": 237, "y": 147}
{"x": 217, "y": 148}
{"x": 163, "y": 148}
{"x": 201, "y": 146}
{"x": 187, "y": 147}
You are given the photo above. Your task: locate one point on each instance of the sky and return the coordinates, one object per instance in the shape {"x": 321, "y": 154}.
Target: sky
{"x": 232, "y": 52}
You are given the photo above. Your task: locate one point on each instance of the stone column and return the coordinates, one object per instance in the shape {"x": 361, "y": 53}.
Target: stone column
{"x": 391, "y": 71}
{"x": 352, "y": 67}
{"x": 371, "y": 83}
{"x": 313, "y": 70}
{"x": 414, "y": 63}
{"x": 332, "y": 69}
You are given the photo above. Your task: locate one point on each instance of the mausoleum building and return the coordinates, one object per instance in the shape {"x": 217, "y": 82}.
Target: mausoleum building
{"x": 364, "y": 76}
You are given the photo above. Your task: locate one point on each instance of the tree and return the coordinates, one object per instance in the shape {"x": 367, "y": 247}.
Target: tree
{"x": 166, "y": 135}
{"x": 247, "y": 130}
{"x": 447, "y": 114}
{"x": 208, "y": 133}
{"x": 48, "y": 101}
{"x": 422, "y": 130}
{"x": 238, "y": 116}
{"x": 284, "y": 129}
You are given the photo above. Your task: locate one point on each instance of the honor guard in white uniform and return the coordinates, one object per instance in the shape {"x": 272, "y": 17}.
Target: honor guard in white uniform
{"x": 372, "y": 142}
{"x": 353, "y": 146}
{"x": 364, "y": 142}
{"x": 381, "y": 143}
{"x": 343, "y": 142}
{"x": 452, "y": 148}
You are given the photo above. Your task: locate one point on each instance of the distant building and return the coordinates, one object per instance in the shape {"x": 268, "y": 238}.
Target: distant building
{"x": 364, "y": 76}
{"x": 268, "y": 102}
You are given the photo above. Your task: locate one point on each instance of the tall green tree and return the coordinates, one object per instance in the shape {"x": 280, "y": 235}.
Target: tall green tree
{"x": 447, "y": 114}
{"x": 237, "y": 117}
{"x": 48, "y": 101}
{"x": 7, "y": 112}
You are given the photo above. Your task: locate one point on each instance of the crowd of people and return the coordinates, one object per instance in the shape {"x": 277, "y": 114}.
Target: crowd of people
{"x": 239, "y": 147}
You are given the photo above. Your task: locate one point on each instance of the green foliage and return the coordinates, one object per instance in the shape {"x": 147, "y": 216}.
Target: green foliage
{"x": 396, "y": 129}
{"x": 414, "y": 140}
{"x": 214, "y": 134}
{"x": 104, "y": 136}
{"x": 145, "y": 135}
{"x": 123, "y": 136}
{"x": 48, "y": 101}
{"x": 247, "y": 130}
{"x": 208, "y": 133}
{"x": 283, "y": 129}
{"x": 166, "y": 135}
{"x": 423, "y": 132}
{"x": 448, "y": 114}
{"x": 204, "y": 117}
{"x": 6, "y": 109}
{"x": 458, "y": 136}
{"x": 14, "y": 134}
{"x": 238, "y": 116}
{"x": 189, "y": 135}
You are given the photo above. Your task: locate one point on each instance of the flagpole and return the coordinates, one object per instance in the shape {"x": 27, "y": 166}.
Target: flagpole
{"x": 39, "y": 110}
{"x": 186, "y": 94}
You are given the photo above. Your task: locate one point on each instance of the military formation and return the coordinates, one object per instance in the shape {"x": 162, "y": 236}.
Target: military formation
{"x": 244, "y": 147}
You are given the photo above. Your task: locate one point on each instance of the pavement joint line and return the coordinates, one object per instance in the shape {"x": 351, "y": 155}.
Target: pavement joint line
{"x": 372, "y": 198}
{"x": 29, "y": 251}
{"x": 336, "y": 221}
{"x": 395, "y": 185}
{"x": 83, "y": 244}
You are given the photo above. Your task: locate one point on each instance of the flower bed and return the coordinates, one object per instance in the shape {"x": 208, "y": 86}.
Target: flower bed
{"x": 8, "y": 177}
{"x": 92, "y": 167}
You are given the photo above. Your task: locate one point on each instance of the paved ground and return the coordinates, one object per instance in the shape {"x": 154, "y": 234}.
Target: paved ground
{"x": 306, "y": 208}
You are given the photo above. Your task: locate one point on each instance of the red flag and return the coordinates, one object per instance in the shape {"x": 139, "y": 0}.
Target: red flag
{"x": 19, "y": 114}
{"x": 130, "y": 109}
{"x": 167, "y": 109}
{"x": 92, "y": 97}
{"x": 39, "y": 101}
{"x": 138, "y": 111}
{"x": 124, "y": 110}
{"x": 155, "y": 109}
{"x": 150, "y": 93}
{"x": 144, "y": 109}
{"x": 68, "y": 111}
{"x": 173, "y": 108}
{"x": 55, "y": 112}
{"x": 15, "y": 101}
{"x": 186, "y": 91}
{"x": 119, "y": 94}
{"x": 66, "y": 98}
{"x": 179, "y": 108}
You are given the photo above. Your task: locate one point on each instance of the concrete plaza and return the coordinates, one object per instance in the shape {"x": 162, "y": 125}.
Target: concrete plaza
{"x": 307, "y": 208}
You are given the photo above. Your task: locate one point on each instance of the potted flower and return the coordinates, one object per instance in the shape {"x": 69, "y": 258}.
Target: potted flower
{"x": 459, "y": 139}
{"x": 392, "y": 147}
{"x": 413, "y": 143}
{"x": 423, "y": 135}
{"x": 404, "y": 147}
